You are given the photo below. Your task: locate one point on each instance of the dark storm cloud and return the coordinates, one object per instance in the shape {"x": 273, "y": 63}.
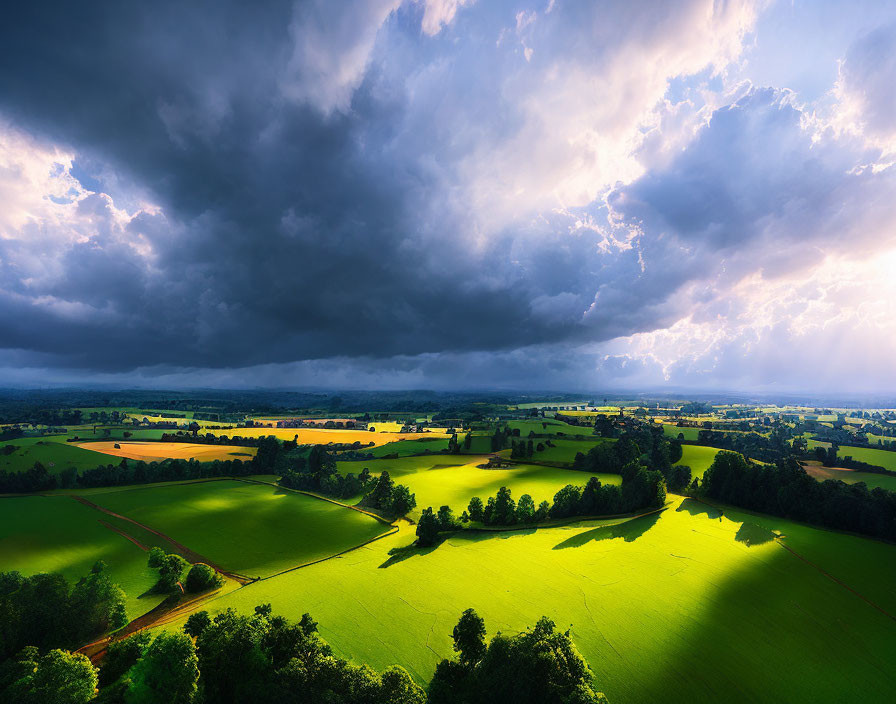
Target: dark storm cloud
{"x": 289, "y": 232}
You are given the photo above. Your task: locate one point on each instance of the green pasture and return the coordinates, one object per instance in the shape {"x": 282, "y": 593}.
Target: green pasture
{"x": 546, "y": 426}
{"x": 59, "y": 534}
{"x": 881, "y": 458}
{"x": 453, "y": 480}
{"x": 251, "y": 529}
{"x": 690, "y": 605}
{"x": 698, "y": 458}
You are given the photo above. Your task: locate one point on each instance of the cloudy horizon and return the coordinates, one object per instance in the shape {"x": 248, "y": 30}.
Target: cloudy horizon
{"x": 450, "y": 194}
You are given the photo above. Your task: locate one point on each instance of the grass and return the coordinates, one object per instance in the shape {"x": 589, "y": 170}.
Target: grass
{"x": 55, "y": 456}
{"x": 881, "y": 458}
{"x": 58, "y": 534}
{"x": 684, "y": 606}
{"x": 154, "y": 451}
{"x": 252, "y": 529}
{"x": 821, "y": 473}
{"x": 698, "y": 458}
{"x": 453, "y": 480}
{"x": 546, "y": 426}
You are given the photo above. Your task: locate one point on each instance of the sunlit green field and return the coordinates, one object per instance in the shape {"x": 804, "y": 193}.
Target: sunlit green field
{"x": 454, "y": 480}
{"x": 881, "y": 458}
{"x": 58, "y": 534}
{"x": 686, "y": 606}
{"x": 252, "y": 529}
{"x": 698, "y": 458}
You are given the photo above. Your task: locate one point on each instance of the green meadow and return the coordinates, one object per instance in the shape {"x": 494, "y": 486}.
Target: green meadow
{"x": 437, "y": 481}
{"x": 59, "y": 534}
{"x": 698, "y": 458}
{"x": 252, "y": 529}
{"x": 673, "y": 607}
{"x": 673, "y": 431}
{"x": 406, "y": 448}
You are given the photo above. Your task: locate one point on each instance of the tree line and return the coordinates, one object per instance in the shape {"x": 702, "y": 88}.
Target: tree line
{"x": 785, "y": 489}
{"x": 640, "y": 489}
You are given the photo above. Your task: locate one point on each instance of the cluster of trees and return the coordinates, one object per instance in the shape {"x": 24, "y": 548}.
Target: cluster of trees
{"x": 641, "y": 488}
{"x": 317, "y": 472}
{"x": 45, "y": 611}
{"x": 785, "y": 489}
{"x": 389, "y": 497}
{"x": 646, "y": 446}
{"x": 171, "y": 568}
{"x": 431, "y": 524}
{"x": 238, "y": 659}
{"x": 538, "y": 666}
{"x": 768, "y": 448}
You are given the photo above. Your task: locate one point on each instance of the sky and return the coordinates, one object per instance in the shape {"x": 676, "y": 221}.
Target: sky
{"x": 450, "y": 194}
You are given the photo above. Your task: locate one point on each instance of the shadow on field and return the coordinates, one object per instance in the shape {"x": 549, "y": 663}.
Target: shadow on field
{"x": 773, "y": 630}
{"x": 471, "y": 535}
{"x": 629, "y": 531}
{"x": 397, "y": 555}
{"x": 750, "y": 534}
{"x": 698, "y": 508}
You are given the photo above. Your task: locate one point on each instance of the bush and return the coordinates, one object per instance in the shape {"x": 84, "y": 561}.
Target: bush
{"x": 202, "y": 577}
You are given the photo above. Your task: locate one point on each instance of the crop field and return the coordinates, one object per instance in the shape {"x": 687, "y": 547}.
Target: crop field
{"x": 322, "y": 436}
{"x": 55, "y": 454}
{"x": 57, "y": 533}
{"x": 698, "y": 458}
{"x": 443, "y": 481}
{"x": 821, "y": 473}
{"x": 154, "y": 451}
{"x": 674, "y": 607}
{"x": 253, "y": 529}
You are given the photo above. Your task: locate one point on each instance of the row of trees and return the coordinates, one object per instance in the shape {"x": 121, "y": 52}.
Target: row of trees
{"x": 640, "y": 489}
{"x": 785, "y": 489}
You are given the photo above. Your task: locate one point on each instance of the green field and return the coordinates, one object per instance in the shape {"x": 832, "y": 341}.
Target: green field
{"x": 684, "y": 606}
{"x": 881, "y": 458}
{"x": 453, "y": 480}
{"x": 698, "y": 458}
{"x": 58, "y": 534}
{"x": 253, "y": 529}
{"x": 55, "y": 456}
